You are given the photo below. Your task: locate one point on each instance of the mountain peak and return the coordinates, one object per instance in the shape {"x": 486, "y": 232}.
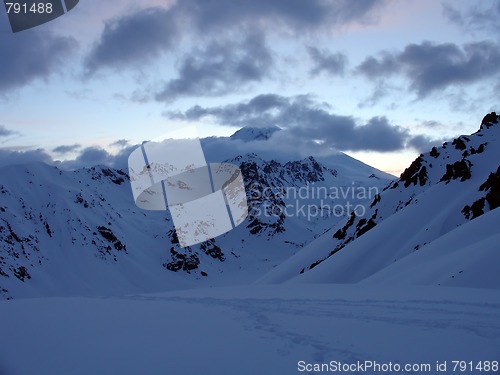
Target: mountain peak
{"x": 489, "y": 120}
{"x": 252, "y": 133}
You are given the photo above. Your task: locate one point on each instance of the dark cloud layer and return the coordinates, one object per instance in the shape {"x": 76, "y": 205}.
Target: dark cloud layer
{"x": 305, "y": 120}
{"x": 219, "y": 68}
{"x": 135, "y": 38}
{"x": 9, "y": 157}
{"x": 430, "y": 66}
{"x": 331, "y": 63}
{"x": 31, "y": 55}
{"x": 293, "y": 13}
{"x": 87, "y": 157}
{"x": 92, "y": 156}
{"x": 423, "y": 143}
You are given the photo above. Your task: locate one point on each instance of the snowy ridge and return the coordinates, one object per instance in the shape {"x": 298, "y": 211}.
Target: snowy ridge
{"x": 440, "y": 192}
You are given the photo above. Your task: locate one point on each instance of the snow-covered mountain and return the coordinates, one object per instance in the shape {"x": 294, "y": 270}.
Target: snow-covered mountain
{"x": 80, "y": 233}
{"x": 435, "y": 225}
{"x": 249, "y": 133}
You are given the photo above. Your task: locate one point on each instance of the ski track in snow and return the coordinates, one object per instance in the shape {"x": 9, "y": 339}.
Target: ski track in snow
{"x": 444, "y": 314}
{"x": 250, "y": 330}
{"x": 269, "y": 317}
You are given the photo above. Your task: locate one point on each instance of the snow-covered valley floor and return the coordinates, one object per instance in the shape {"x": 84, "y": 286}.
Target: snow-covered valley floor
{"x": 278, "y": 329}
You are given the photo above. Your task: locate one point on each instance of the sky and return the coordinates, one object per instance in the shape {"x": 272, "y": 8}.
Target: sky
{"x": 381, "y": 80}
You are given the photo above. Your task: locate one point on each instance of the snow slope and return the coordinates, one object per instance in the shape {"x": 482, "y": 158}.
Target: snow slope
{"x": 264, "y": 330}
{"x": 442, "y": 192}
{"x": 466, "y": 256}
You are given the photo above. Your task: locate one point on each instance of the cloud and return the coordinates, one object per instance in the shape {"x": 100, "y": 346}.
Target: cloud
{"x": 386, "y": 64}
{"x": 481, "y": 17}
{"x": 9, "y": 156}
{"x": 345, "y": 134}
{"x": 296, "y": 14}
{"x": 220, "y": 68}
{"x": 92, "y": 156}
{"x": 430, "y": 67}
{"x": 380, "y": 91}
{"x": 331, "y": 63}
{"x": 30, "y": 55}
{"x": 87, "y": 157}
{"x": 256, "y": 112}
{"x": 64, "y": 149}
{"x": 120, "y": 143}
{"x": 133, "y": 40}
{"x": 432, "y": 124}
{"x": 306, "y": 123}
{"x": 4, "y": 132}
{"x": 423, "y": 143}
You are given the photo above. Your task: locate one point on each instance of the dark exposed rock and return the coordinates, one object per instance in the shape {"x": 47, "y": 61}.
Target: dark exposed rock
{"x": 172, "y": 234}
{"x": 118, "y": 181}
{"x": 370, "y": 224}
{"x": 110, "y": 236}
{"x": 312, "y": 265}
{"x": 415, "y": 173}
{"x": 48, "y": 229}
{"x": 492, "y": 188}
{"x": 492, "y": 185}
{"x": 79, "y": 199}
{"x": 182, "y": 262}
{"x": 489, "y": 120}
{"x": 479, "y": 150}
{"x": 255, "y": 226}
{"x": 459, "y": 169}
{"x": 12, "y": 235}
{"x": 459, "y": 143}
{"x": 434, "y": 152}
{"x": 107, "y": 233}
{"x": 21, "y": 273}
{"x": 475, "y": 210}
{"x": 116, "y": 176}
{"x": 392, "y": 185}
{"x": 341, "y": 233}
{"x": 375, "y": 200}
{"x": 210, "y": 248}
